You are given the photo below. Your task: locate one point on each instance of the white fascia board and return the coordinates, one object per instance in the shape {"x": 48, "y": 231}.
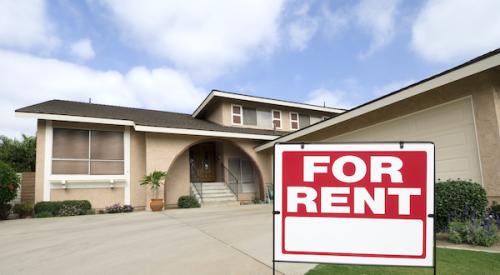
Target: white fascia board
{"x": 264, "y": 100}
{"x": 76, "y": 118}
{"x": 195, "y": 132}
{"x": 441, "y": 80}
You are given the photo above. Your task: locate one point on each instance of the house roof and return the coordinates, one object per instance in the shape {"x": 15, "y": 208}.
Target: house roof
{"x": 214, "y": 94}
{"x": 473, "y": 66}
{"x": 142, "y": 119}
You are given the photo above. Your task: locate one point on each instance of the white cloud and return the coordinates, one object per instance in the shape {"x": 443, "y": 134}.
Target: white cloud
{"x": 24, "y": 24}
{"x": 378, "y": 18}
{"x": 391, "y": 87}
{"x": 330, "y": 98}
{"x": 449, "y": 29}
{"x": 26, "y": 79}
{"x": 206, "y": 37}
{"x": 82, "y": 49}
{"x": 302, "y": 29}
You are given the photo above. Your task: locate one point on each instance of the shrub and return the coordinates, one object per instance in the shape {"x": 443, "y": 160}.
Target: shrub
{"x": 44, "y": 214}
{"x": 127, "y": 208}
{"x": 459, "y": 201}
{"x": 54, "y": 207}
{"x": 23, "y": 209}
{"x": 90, "y": 212}
{"x": 9, "y": 183}
{"x": 69, "y": 210}
{"x": 4, "y": 211}
{"x": 473, "y": 232}
{"x": 495, "y": 208}
{"x": 187, "y": 202}
{"x": 115, "y": 208}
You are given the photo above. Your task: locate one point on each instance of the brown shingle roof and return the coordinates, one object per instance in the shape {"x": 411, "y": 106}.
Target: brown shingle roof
{"x": 142, "y": 117}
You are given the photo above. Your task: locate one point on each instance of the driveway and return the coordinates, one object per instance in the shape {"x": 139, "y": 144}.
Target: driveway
{"x": 223, "y": 240}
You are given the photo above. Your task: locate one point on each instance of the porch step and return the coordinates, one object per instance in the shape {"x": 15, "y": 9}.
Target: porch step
{"x": 215, "y": 193}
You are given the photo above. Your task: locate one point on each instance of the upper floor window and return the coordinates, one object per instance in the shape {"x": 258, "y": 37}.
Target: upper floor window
{"x": 236, "y": 114}
{"x": 276, "y": 119}
{"x": 249, "y": 116}
{"x": 304, "y": 121}
{"x": 87, "y": 152}
{"x": 294, "y": 120}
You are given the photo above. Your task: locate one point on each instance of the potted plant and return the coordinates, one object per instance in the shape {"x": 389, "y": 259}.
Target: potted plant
{"x": 155, "y": 179}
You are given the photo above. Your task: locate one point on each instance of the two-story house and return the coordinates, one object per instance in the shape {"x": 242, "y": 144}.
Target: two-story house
{"x": 101, "y": 152}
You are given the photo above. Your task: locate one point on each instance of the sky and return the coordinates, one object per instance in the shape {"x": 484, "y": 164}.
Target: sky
{"x": 169, "y": 54}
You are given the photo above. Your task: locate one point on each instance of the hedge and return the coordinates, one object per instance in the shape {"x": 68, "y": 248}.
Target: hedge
{"x": 458, "y": 200}
{"x": 81, "y": 207}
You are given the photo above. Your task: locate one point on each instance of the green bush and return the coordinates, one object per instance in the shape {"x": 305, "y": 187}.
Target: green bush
{"x": 4, "y": 211}
{"x": 460, "y": 201}
{"x": 80, "y": 207}
{"x": 472, "y": 232}
{"x": 69, "y": 210}
{"x": 23, "y": 209}
{"x": 44, "y": 214}
{"x": 187, "y": 202}
{"x": 91, "y": 212}
{"x": 9, "y": 183}
{"x": 51, "y": 207}
{"x": 495, "y": 208}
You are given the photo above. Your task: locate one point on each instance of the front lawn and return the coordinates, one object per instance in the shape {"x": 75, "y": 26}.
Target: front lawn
{"x": 449, "y": 261}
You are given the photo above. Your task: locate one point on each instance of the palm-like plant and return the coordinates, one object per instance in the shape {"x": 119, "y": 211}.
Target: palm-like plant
{"x": 155, "y": 179}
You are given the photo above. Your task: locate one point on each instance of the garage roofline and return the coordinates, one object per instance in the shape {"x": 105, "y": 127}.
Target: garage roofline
{"x": 471, "y": 67}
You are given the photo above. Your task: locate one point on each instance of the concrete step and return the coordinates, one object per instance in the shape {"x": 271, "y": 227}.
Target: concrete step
{"x": 215, "y": 191}
{"x": 219, "y": 199}
{"x": 229, "y": 196}
{"x": 220, "y": 203}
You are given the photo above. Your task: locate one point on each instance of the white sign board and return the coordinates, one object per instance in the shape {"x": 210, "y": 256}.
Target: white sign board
{"x": 354, "y": 203}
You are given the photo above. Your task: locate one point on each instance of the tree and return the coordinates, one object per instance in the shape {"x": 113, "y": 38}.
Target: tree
{"x": 19, "y": 154}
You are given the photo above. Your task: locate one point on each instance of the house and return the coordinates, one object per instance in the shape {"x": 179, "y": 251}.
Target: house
{"x": 100, "y": 152}
{"x": 458, "y": 110}
{"x": 223, "y": 151}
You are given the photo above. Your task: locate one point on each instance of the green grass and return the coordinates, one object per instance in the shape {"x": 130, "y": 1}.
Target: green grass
{"x": 449, "y": 262}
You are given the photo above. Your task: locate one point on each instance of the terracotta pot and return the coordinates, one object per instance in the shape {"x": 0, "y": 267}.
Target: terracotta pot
{"x": 156, "y": 204}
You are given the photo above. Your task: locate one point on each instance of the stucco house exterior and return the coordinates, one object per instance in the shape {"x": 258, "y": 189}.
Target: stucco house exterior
{"x": 100, "y": 152}
{"x": 223, "y": 151}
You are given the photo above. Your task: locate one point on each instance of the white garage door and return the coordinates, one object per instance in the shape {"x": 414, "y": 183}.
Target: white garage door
{"x": 450, "y": 126}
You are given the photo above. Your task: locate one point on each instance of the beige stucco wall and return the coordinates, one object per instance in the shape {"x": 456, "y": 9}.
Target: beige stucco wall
{"x": 220, "y": 113}
{"x": 137, "y": 168}
{"x": 98, "y": 197}
{"x": 484, "y": 90}
{"x": 40, "y": 160}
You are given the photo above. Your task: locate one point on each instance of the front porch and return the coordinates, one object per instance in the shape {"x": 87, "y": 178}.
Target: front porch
{"x": 221, "y": 173}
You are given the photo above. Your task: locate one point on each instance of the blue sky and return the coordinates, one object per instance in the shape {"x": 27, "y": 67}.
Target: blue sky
{"x": 168, "y": 55}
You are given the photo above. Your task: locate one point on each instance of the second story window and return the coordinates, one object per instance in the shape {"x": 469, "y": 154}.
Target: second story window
{"x": 277, "y": 119}
{"x": 294, "y": 120}
{"x": 249, "y": 116}
{"x": 304, "y": 121}
{"x": 236, "y": 114}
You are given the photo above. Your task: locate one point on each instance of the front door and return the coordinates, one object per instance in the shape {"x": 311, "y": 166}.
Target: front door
{"x": 202, "y": 162}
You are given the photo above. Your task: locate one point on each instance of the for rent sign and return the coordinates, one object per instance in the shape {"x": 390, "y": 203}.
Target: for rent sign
{"x": 355, "y": 203}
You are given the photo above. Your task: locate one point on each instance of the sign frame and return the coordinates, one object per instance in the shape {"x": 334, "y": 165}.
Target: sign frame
{"x": 394, "y": 146}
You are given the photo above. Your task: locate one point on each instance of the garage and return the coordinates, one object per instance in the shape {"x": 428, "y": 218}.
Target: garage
{"x": 450, "y": 126}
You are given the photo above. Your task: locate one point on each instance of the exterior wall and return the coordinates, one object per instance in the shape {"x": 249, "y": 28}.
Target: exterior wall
{"x": 220, "y": 113}
{"x": 28, "y": 187}
{"x": 98, "y": 197}
{"x": 483, "y": 88}
{"x": 40, "y": 160}
{"x": 137, "y": 169}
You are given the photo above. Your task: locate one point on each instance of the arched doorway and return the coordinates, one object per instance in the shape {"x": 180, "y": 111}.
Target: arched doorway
{"x": 218, "y": 171}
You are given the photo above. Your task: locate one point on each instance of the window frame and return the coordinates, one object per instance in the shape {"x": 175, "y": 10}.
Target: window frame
{"x": 89, "y": 159}
{"x": 296, "y": 120}
{"x": 234, "y": 114}
{"x": 274, "y": 119}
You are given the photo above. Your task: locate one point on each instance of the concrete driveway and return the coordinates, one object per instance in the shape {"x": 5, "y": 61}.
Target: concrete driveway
{"x": 223, "y": 240}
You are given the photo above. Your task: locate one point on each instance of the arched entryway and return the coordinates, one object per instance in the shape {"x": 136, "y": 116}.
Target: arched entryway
{"x": 216, "y": 169}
